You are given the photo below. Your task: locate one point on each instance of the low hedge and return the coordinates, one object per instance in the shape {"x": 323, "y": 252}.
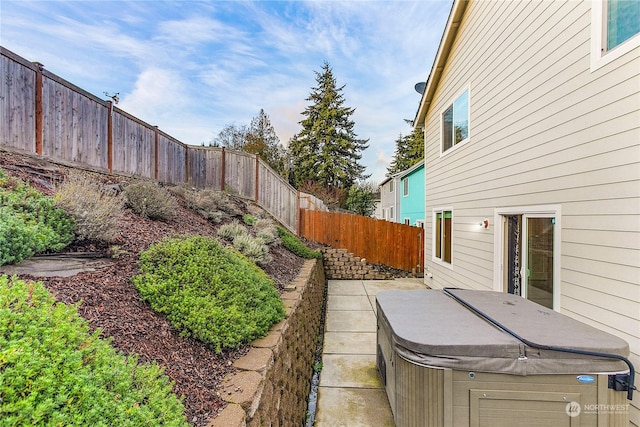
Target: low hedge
{"x": 209, "y": 292}
{"x": 54, "y": 372}
{"x": 296, "y": 246}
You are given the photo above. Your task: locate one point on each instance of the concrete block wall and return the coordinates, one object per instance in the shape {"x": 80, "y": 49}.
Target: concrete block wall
{"x": 340, "y": 264}
{"x": 273, "y": 380}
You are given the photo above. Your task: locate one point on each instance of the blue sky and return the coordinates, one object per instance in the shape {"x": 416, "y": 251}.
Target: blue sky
{"x": 194, "y": 67}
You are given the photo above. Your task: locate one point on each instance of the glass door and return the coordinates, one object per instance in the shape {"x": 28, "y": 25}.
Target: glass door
{"x": 528, "y": 256}
{"x": 538, "y": 241}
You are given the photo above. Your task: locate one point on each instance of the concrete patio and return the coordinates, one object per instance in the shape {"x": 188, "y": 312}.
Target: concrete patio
{"x": 350, "y": 391}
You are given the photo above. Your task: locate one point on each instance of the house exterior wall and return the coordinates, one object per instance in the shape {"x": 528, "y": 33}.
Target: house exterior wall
{"x": 389, "y": 200}
{"x": 547, "y": 132}
{"x": 412, "y": 204}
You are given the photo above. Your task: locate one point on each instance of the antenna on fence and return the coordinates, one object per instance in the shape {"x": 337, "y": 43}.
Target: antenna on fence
{"x": 115, "y": 96}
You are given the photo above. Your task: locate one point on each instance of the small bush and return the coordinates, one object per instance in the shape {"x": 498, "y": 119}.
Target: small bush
{"x": 54, "y": 372}
{"x": 249, "y": 219}
{"x": 96, "y": 210}
{"x": 208, "y": 292}
{"x": 295, "y": 245}
{"x": 232, "y": 230}
{"x": 29, "y": 222}
{"x": 266, "y": 230}
{"x": 205, "y": 203}
{"x": 253, "y": 248}
{"x": 148, "y": 199}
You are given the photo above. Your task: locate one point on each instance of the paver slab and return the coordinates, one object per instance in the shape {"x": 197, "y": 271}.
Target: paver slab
{"x": 340, "y": 407}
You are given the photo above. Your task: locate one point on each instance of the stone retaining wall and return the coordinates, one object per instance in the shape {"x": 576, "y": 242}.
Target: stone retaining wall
{"x": 274, "y": 379}
{"x": 340, "y": 264}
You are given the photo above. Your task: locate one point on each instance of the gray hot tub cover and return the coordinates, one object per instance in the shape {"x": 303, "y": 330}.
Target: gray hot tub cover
{"x": 429, "y": 328}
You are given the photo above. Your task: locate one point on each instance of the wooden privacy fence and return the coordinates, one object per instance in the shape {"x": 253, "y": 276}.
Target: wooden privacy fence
{"x": 43, "y": 114}
{"x": 380, "y": 242}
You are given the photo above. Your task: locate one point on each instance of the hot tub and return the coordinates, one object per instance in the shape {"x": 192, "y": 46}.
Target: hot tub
{"x": 480, "y": 358}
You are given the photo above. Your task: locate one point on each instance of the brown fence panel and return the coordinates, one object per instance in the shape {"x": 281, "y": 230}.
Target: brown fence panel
{"x": 74, "y": 124}
{"x": 171, "y": 159}
{"x": 240, "y": 176}
{"x": 380, "y": 242}
{"x": 205, "y": 167}
{"x": 277, "y": 197}
{"x": 17, "y": 103}
{"x": 133, "y": 145}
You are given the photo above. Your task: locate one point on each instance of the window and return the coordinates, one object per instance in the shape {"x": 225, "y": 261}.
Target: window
{"x": 455, "y": 122}
{"x": 420, "y": 223}
{"x": 615, "y": 30}
{"x": 442, "y": 235}
{"x": 623, "y": 21}
{"x": 407, "y": 221}
{"x": 391, "y": 212}
{"x": 391, "y": 186}
{"x": 405, "y": 187}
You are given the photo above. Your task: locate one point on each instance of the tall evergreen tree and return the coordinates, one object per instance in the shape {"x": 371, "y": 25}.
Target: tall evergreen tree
{"x": 326, "y": 151}
{"x": 409, "y": 151}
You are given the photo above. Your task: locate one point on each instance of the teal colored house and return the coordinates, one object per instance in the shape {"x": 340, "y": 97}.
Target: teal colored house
{"x": 411, "y": 192}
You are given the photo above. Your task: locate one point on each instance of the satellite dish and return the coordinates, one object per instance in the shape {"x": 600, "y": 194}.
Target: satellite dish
{"x": 420, "y": 87}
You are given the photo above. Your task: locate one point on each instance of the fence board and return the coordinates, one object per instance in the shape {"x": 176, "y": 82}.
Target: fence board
{"x": 18, "y": 109}
{"x": 379, "y": 241}
{"x": 277, "y": 197}
{"x": 133, "y": 146}
{"x": 205, "y": 167}
{"x": 171, "y": 164}
{"x": 240, "y": 173}
{"x": 74, "y": 126}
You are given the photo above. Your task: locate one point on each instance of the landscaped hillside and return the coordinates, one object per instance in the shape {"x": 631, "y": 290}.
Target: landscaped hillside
{"x": 110, "y": 301}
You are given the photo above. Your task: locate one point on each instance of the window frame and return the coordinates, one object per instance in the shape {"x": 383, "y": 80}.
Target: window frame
{"x": 600, "y": 56}
{"x": 451, "y": 105}
{"x": 391, "y": 216}
{"x": 407, "y": 221}
{"x": 391, "y": 186}
{"x": 438, "y": 237}
{"x": 405, "y": 186}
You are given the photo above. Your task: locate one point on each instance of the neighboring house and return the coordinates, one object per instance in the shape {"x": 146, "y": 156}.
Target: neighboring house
{"x": 389, "y": 200}
{"x": 531, "y": 116}
{"x": 377, "y": 212}
{"x": 411, "y": 193}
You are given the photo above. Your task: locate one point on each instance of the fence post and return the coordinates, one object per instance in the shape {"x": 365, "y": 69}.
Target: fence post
{"x": 298, "y": 214}
{"x": 222, "y": 170}
{"x": 156, "y": 153}
{"x": 39, "y": 109}
{"x": 257, "y": 173}
{"x": 110, "y": 137}
{"x": 186, "y": 164}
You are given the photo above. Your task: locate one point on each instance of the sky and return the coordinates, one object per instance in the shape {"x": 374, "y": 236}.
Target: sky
{"x": 194, "y": 67}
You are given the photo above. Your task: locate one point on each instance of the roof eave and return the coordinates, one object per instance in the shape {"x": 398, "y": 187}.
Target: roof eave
{"x": 451, "y": 30}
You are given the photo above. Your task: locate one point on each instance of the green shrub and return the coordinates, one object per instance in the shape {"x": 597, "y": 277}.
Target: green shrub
{"x": 232, "y": 230}
{"x": 208, "y": 292}
{"x": 97, "y": 211}
{"x": 249, "y": 219}
{"x": 53, "y": 372}
{"x": 148, "y": 199}
{"x": 205, "y": 203}
{"x": 266, "y": 230}
{"x": 295, "y": 245}
{"x": 29, "y": 222}
{"x": 253, "y": 248}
